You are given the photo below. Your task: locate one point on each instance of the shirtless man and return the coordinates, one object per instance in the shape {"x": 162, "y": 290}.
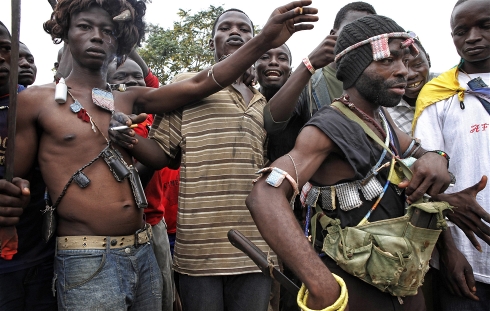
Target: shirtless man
{"x": 97, "y": 212}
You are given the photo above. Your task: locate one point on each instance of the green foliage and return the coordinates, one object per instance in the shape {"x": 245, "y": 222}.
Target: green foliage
{"x": 185, "y": 47}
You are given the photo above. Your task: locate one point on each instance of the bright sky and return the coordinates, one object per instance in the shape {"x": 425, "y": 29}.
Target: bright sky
{"x": 428, "y": 19}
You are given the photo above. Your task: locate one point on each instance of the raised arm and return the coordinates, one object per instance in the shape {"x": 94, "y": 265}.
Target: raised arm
{"x": 65, "y": 63}
{"x": 274, "y": 218}
{"x": 138, "y": 60}
{"x": 283, "y": 22}
{"x": 282, "y": 105}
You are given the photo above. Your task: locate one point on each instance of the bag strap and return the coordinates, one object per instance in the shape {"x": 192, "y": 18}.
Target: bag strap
{"x": 352, "y": 116}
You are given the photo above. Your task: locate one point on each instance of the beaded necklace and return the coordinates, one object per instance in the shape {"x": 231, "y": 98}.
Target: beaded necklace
{"x": 344, "y": 99}
{"x": 376, "y": 168}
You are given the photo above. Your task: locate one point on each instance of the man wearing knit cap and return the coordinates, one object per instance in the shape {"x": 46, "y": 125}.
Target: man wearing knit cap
{"x": 346, "y": 162}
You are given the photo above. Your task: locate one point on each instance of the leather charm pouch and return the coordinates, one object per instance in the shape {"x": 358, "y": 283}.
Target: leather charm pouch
{"x": 81, "y": 179}
{"x": 137, "y": 187}
{"x": 116, "y": 164}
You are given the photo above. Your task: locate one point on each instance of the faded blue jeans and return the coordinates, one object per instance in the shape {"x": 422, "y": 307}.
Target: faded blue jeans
{"x": 108, "y": 279}
{"x": 161, "y": 248}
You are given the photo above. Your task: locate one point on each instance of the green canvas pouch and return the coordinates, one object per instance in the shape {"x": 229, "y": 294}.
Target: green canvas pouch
{"x": 350, "y": 248}
{"x": 392, "y": 255}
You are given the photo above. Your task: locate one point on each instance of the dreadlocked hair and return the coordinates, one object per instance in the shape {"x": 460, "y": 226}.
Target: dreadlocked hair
{"x": 128, "y": 33}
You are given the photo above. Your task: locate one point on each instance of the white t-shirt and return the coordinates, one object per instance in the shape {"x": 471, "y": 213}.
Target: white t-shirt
{"x": 465, "y": 135}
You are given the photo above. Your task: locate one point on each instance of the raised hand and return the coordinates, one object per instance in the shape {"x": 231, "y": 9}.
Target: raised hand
{"x": 468, "y": 214}
{"x": 286, "y": 20}
{"x": 125, "y": 137}
{"x": 323, "y": 54}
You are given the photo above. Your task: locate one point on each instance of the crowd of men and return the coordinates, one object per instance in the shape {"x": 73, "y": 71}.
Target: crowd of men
{"x": 361, "y": 174}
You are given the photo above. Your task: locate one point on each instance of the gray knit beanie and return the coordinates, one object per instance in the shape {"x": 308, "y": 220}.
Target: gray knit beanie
{"x": 352, "y": 64}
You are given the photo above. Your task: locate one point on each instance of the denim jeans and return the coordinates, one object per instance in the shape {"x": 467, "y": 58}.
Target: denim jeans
{"x": 161, "y": 248}
{"x": 243, "y": 292}
{"x": 108, "y": 279}
{"x": 28, "y": 289}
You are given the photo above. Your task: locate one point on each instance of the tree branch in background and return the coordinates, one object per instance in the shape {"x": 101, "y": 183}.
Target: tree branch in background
{"x": 184, "y": 47}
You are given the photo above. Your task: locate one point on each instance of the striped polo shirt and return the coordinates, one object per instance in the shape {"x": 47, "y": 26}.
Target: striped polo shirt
{"x": 222, "y": 142}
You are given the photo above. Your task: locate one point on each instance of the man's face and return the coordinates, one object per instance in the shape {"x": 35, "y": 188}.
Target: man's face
{"x": 470, "y": 24}
{"x": 91, "y": 38}
{"x": 233, "y": 29}
{"x": 273, "y": 68}
{"x": 5, "y": 46}
{"x": 383, "y": 82}
{"x": 129, "y": 73}
{"x": 27, "y": 67}
{"x": 418, "y": 74}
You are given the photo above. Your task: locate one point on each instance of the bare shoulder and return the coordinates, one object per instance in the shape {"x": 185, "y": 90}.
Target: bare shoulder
{"x": 34, "y": 98}
{"x": 40, "y": 89}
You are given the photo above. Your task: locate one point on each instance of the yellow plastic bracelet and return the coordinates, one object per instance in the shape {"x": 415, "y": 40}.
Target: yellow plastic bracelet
{"x": 338, "y": 305}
